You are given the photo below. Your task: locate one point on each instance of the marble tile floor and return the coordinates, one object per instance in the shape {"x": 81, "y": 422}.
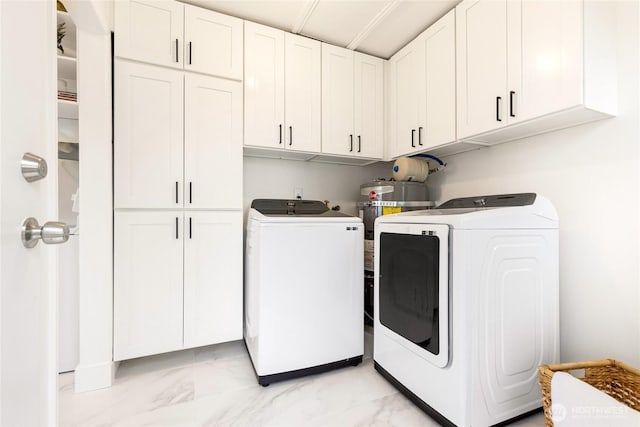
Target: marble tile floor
{"x": 216, "y": 386}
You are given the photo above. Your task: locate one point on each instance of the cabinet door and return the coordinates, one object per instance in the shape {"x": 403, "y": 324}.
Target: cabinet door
{"x": 337, "y": 101}
{"x": 545, "y": 57}
{"x": 368, "y": 104}
{"x": 212, "y": 277}
{"x": 212, "y": 142}
{"x": 439, "y": 116}
{"x": 147, "y": 291}
{"x": 149, "y": 31}
{"x": 212, "y": 43}
{"x": 148, "y": 109}
{"x": 408, "y": 96}
{"x": 481, "y": 30}
{"x": 263, "y": 86}
{"x": 302, "y": 93}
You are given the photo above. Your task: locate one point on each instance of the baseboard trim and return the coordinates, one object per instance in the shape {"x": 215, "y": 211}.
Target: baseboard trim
{"x": 94, "y": 377}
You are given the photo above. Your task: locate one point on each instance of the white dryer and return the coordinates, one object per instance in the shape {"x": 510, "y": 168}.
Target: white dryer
{"x": 466, "y": 305}
{"x": 304, "y": 299}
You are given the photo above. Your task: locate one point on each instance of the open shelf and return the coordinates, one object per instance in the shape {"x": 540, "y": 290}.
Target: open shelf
{"x": 67, "y": 109}
{"x": 66, "y": 67}
{"x": 69, "y": 40}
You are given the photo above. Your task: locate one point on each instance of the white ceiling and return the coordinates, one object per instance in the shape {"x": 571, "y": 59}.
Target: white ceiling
{"x": 376, "y": 27}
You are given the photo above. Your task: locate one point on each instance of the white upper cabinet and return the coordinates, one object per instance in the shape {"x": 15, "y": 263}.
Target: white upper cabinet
{"x": 176, "y": 35}
{"x": 543, "y": 72}
{"x": 352, "y": 104}
{"x": 148, "y": 118}
{"x": 482, "y": 65}
{"x": 527, "y": 67}
{"x": 337, "y": 100}
{"x": 212, "y": 273}
{"x": 407, "y": 96}
{"x": 282, "y": 90}
{"x": 213, "y": 43}
{"x": 422, "y": 92}
{"x": 302, "y": 93}
{"x": 150, "y": 31}
{"x": 369, "y": 105}
{"x": 439, "y": 116}
{"x": 263, "y": 86}
{"x": 212, "y": 143}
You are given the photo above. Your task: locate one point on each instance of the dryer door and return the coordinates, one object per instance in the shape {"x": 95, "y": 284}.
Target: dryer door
{"x": 413, "y": 287}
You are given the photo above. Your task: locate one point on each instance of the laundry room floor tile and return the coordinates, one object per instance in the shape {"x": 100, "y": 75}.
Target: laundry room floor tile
{"x": 216, "y": 386}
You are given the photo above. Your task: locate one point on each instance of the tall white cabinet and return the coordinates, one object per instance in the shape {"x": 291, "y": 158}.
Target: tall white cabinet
{"x": 177, "y": 183}
{"x": 212, "y": 273}
{"x": 148, "y": 134}
{"x": 148, "y": 283}
{"x": 212, "y": 143}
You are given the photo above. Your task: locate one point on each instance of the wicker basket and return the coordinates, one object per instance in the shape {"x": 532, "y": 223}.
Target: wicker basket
{"x": 620, "y": 381}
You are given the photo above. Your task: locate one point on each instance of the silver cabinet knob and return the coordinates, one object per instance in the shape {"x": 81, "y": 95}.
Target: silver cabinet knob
{"x": 51, "y": 233}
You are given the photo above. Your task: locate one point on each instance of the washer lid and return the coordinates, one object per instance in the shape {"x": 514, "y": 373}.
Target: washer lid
{"x": 505, "y": 211}
{"x": 285, "y": 210}
{"x": 493, "y": 201}
{"x": 289, "y": 207}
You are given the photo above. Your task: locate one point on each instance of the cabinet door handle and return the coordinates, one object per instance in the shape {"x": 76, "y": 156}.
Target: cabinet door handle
{"x": 176, "y": 50}
{"x": 359, "y": 143}
{"x": 413, "y": 132}
{"x": 190, "y": 191}
{"x": 189, "y": 227}
{"x": 190, "y": 56}
{"x": 420, "y": 135}
{"x": 351, "y": 143}
{"x": 290, "y": 135}
{"x": 511, "y": 95}
{"x": 498, "y": 100}
{"x": 176, "y": 192}
{"x": 280, "y": 133}
{"x": 176, "y": 228}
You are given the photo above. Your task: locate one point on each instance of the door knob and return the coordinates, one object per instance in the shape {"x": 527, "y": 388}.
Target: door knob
{"x": 33, "y": 167}
{"x": 51, "y": 233}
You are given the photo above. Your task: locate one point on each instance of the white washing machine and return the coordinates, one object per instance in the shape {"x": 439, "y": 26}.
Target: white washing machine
{"x": 466, "y": 306}
{"x": 303, "y": 289}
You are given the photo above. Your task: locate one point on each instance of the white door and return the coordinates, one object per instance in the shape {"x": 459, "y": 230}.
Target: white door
{"x": 212, "y": 43}
{"x": 412, "y": 288}
{"x": 439, "y": 117}
{"x": 481, "y": 47}
{"x": 263, "y": 86}
{"x": 368, "y": 105}
{"x": 148, "y": 138}
{"x": 337, "y": 101}
{"x": 302, "y": 93}
{"x": 407, "y": 83}
{"x": 212, "y": 142}
{"x": 150, "y": 31}
{"x": 28, "y": 277}
{"x": 212, "y": 277}
{"x": 147, "y": 288}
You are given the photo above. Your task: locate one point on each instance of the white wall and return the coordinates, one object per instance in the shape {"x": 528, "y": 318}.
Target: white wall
{"x": 340, "y": 184}
{"x": 95, "y": 368}
{"x": 590, "y": 173}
